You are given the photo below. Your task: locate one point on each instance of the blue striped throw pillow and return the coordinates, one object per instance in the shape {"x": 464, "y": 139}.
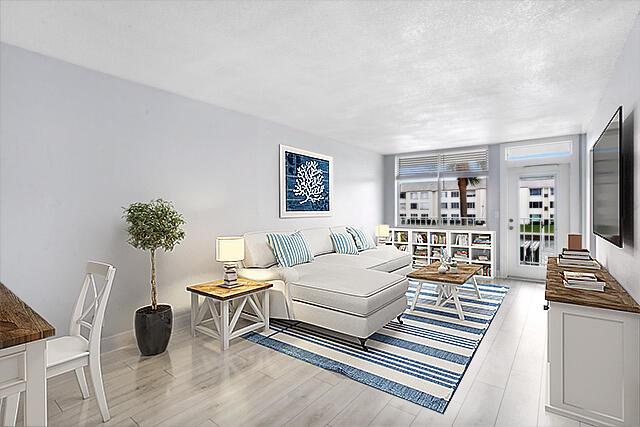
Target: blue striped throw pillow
{"x": 289, "y": 249}
{"x": 343, "y": 244}
{"x": 363, "y": 241}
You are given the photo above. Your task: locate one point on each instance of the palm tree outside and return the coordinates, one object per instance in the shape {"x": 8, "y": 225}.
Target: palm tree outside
{"x": 463, "y": 184}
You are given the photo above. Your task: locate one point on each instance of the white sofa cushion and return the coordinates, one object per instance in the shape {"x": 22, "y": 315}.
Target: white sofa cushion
{"x": 389, "y": 258}
{"x": 318, "y": 239}
{"x": 355, "y": 261}
{"x": 257, "y": 252}
{"x": 384, "y": 258}
{"x": 351, "y": 290}
{"x": 286, "y": 274}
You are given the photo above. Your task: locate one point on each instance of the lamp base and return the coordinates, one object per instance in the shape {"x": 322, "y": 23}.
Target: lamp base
{"x": 230, "y": 276}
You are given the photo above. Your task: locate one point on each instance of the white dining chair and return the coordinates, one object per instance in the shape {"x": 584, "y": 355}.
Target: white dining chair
{"x": 73, "y": 352}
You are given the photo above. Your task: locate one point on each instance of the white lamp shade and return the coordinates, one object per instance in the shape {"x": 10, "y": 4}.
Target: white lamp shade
{"x": 382, "y": 230}
{"x": 229, "y": 249}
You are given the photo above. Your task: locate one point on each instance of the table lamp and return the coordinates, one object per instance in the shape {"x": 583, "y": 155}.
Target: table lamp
{"x": 382, "y": 233}
{"x": 230, "y": 250}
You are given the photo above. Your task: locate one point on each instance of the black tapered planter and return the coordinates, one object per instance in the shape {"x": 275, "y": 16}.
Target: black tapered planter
{"x": 153, "y": 328}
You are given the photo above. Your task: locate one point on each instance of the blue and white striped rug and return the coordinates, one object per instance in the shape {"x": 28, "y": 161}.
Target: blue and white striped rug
{"x": 422, "y": 360}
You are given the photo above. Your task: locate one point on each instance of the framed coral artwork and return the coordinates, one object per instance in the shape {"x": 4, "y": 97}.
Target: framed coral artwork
{"x": 306, "y": 183}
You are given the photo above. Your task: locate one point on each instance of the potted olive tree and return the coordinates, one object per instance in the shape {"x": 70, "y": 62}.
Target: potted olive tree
{"x": 152, "y": 226}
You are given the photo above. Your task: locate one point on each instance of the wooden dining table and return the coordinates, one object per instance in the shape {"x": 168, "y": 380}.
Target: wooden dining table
{"x": 23, "y": 358}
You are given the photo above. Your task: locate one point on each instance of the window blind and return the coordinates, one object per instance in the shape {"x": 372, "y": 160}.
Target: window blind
{"x": 412, "y": 166}
{"x": 460, "y": 161}
{"x": 469, "y": 161}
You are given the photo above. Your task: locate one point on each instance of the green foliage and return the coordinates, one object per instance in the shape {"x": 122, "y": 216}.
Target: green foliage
{"x": 472, "y": 181}
{"x": 154, "y": 225}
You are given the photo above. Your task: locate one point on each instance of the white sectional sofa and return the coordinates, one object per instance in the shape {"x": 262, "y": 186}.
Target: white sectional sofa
{"x": 353, "y": 294}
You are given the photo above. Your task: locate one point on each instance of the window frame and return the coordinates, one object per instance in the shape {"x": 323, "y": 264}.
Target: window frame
{"x": 438, "y": 177}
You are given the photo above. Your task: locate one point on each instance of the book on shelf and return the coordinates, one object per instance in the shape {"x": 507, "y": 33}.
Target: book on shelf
{"x": 420, "y": 251}
{"x": 460, "y": 253}
{"x": 482, "y": 239}
{"x": 438, "y": 239}
{"x": 462, "y": 240}
{"x": 486, "y": 271}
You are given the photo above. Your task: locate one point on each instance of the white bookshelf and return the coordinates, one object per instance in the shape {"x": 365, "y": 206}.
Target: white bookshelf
{"x": 473, "y": 245}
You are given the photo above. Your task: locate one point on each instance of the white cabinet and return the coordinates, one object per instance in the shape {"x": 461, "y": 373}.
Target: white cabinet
{"x": 594, "y": 364}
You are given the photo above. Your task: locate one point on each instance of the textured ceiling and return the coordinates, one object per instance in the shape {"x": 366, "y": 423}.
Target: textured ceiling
{"x": 389, "y": 76}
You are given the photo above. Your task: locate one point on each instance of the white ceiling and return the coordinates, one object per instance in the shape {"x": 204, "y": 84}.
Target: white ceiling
{"x": 390, "y": 76}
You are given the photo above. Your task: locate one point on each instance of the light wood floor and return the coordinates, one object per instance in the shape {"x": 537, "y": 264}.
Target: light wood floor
{"x": 193, "y": 384}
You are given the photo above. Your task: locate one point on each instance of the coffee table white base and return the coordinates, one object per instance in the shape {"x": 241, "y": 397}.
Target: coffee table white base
{"x": 215, "y": 312}
{"x": 446, "y": 293}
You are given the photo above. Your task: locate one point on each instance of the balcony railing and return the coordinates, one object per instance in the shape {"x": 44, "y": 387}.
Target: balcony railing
{"x": 537, "y": 240}
{"x": 444, "y": 222}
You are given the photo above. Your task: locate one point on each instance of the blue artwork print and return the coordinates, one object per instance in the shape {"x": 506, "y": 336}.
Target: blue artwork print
{"x": 306, "y": 183}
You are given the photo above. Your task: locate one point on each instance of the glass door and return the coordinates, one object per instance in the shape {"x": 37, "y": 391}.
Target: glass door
{"x": 538, "y": 217}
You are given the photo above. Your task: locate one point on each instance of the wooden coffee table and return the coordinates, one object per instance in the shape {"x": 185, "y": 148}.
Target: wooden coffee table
{"x": 219, "y": 303}
{"x": 447, "y": 283}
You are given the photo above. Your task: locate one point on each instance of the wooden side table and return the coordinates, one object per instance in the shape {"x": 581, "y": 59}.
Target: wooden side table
{"x": 219, "y": 304}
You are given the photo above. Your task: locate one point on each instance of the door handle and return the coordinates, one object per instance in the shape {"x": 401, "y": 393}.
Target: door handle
{"x": 511, "y": 227}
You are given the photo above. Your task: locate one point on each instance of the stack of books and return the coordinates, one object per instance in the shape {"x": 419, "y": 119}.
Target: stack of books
{"x": 482, "y": 240}
{"x": 586, "y": 281}
{"x": 577, "y": 258}
{"x": 420, "y": 251}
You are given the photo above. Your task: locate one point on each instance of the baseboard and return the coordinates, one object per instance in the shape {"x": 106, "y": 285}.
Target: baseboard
{"x": 526, "y": 279}
{"x": 128, "y": 338}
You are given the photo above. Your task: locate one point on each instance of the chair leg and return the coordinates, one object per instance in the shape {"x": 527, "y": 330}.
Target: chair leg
{"x": 11, "y": 409}
{"x": 82, "y": 382}
{"x": 363, "y": 343}
{"x": 399, "y": 318}
{"x": 98, "y": 387}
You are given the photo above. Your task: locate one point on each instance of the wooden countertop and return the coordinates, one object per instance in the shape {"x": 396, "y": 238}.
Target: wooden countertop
{"x": 215, "y": 291}
{"x": 430, "y": 273}
{"x": 19, "y": 324}
{"x": 614, "y": 297}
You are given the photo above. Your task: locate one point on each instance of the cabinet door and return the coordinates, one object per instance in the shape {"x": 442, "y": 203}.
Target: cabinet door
{"x": 594, "y": 363}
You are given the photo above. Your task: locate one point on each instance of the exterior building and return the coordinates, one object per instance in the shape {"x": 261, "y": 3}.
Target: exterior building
{"x": 435, "y": 203}
{"x": 537, "y": 202}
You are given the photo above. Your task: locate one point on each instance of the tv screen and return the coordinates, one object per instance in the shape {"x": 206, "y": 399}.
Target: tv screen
{"x": 607, "y": 182}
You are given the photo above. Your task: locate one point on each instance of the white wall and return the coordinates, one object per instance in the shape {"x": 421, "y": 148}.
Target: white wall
{"x": 623, "y": 89}
{"x": 77, "y": 145}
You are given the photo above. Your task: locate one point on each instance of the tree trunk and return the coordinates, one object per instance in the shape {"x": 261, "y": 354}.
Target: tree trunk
{"x": 154, "y": 290}
{"x": 462, "y": 188}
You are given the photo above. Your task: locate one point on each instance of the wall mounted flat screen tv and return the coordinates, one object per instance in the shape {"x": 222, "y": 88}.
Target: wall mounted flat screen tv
{"x": 607, "y": 182}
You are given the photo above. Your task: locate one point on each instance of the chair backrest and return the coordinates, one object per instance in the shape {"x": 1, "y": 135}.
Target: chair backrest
{"x": 90, "y": 313}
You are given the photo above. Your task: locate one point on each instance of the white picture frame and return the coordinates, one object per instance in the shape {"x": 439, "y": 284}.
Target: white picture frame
{"x": 318, "y": 204}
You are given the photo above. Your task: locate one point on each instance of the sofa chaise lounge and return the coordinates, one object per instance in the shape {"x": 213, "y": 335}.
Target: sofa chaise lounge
{"x": 353, "y": 294}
